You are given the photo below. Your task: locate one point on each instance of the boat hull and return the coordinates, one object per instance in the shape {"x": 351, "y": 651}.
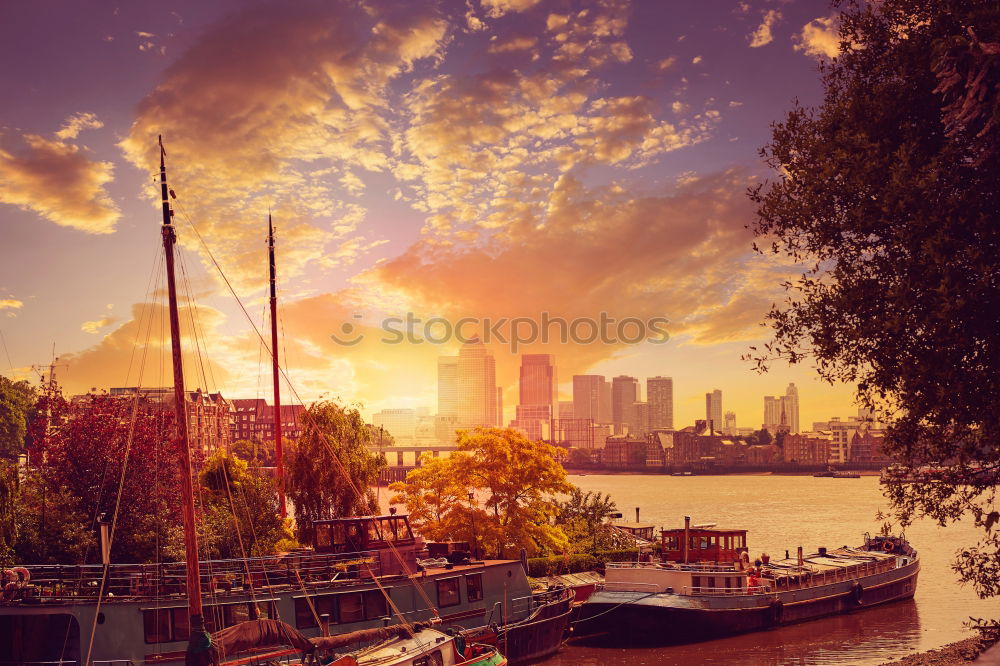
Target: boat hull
{"x": 674, "y": 618}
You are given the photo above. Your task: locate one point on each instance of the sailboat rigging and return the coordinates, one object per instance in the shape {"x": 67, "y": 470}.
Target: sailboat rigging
{"x": 276, "y": 377}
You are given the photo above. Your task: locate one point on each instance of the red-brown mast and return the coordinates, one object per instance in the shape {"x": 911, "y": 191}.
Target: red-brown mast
{"x": 197, "y": 645}
{"x": 275, "y": 374}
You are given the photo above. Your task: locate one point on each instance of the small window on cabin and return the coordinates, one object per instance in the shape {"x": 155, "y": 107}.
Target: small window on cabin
{"x": 371, "y": 531}
{"x": 710, "y": 583}
{"x": 695, "y": 581}
{"x": 703, "y": 542}
{"x": 671, "y": 543}
{"x": 351, "y": 607}
{"x": 156, "y": 625}
{"x": 375, "y": 604}
{"x": 303, "y": 615}
{"x": 403, "y": 529}
{"x": 474, "y": 587}
{"x": 323, "y": 536}
{"x": 448, "y": 592}
{"x": 433, "y": 659}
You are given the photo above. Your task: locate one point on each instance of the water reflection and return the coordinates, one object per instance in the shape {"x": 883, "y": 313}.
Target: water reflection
{"x": 869, "y": 636}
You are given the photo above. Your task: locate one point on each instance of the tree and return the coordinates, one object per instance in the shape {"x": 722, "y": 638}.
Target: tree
{"x": 87, "y": 453}
{"x": 582, "y": 518}
{"x": 17, "y": 400}
{"x": 239, "y": 512}
{"x": 331, "y": 470}
{"x": 887, "y": 195}
{"x": 518, "y": 479}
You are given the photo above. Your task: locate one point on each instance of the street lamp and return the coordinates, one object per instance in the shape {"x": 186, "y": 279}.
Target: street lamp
{"x": 472, "y": 515}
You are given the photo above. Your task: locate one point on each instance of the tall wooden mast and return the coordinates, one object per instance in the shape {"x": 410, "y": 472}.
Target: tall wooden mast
{"x": 197, "y": 645}
{"x": 275, "y": 373}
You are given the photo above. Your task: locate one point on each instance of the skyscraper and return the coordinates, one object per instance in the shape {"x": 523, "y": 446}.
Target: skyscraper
{"x": 538, "y": 380}
{"x": 604, "y": 406}
{"x": 448, "y": 386}
{"x": 624, "y": 395}
{"x": 792, "y": 408}
{"x": 772, "y": 413}
{"x": 477, "y": 386}
{"x": 730, "y": 426}
{"x": 713, "y": 410}
{"x": 660, "y": 396}
{"x": 587, "y": 393}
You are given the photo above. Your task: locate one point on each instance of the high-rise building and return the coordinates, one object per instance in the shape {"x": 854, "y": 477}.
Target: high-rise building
{"x": 400, "y": 423}
{"x": 538, "y": 380}
{"x": 535, "y": 421}
{"x": 448, "y": 386}
{"x": 566, "y": 409}
{"x": 499, "y": 406}
{"x": 775, "y": 413}
{"x": 477, "y": 386}
{"x": 713, "y": 410}
{"x": 730, "y": 426}
{"x": 639, "y": 425}
{"x": 604, "y": 406}
{"x": 660, "y": 396}
{"x": 624, "y": 394}
{"x": 792, "y": 408}
{"x": 587, "y": 394}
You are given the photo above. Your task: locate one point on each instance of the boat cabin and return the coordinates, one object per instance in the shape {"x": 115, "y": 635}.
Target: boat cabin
{"x": 390, "y": 537}
{"x": 644, "y": 532}
{"x": 703, "y": 544}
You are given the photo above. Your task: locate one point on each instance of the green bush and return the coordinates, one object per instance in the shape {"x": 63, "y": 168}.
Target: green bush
{"x": 560, "y": 564}
{"x": 625, "y": 555}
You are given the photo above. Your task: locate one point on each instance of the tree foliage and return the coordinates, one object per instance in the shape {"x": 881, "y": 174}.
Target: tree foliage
{"x": 582, "y": 517}
{"x": 331, "y": 471}
{"x": 888, "y": 196}
{"x": 84, "y": 453}
{"x": 239, "y": 512}
{"x": 514, "y": 482}
{"x": 17, "y": 401}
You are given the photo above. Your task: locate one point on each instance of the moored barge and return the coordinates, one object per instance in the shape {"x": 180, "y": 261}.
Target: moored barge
{"x": 705, "y": 586}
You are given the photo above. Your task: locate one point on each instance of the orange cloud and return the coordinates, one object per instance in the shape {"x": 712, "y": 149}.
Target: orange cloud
{"x": 763, "y": 35}
{"x": 820, "y": 38}
{"x": 56, "y": 179}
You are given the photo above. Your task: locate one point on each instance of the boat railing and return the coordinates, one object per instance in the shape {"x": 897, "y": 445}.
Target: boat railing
{"x": 728, "y": 591}
{"x": 168, "y": 579}
{"x": 69, "y": 662}
{"x": 629, "y": 586}
{"x": 709, "y": 567}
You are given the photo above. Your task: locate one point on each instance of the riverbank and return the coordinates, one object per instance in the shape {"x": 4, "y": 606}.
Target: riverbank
{"x": 960, "y": 652}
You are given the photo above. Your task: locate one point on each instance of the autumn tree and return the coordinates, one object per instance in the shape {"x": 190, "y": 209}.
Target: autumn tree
{"x": 582, "y": 517}
{"x": 887, "y": 195}
{"x": 17, "y": 400}
{"x": 239, "y": 512}
{"x": 98, "y": 455}
{"x": 331, "y": 471}
{"x": 514, "y": 482}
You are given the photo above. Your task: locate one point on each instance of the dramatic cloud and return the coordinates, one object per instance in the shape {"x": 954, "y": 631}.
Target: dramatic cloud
{"x": 820, "y": 38}
{"x": 497, "y": 8}
{"x": 278, "y": 105}
{"x": 11, "y": 304}
{"x": 762, "y": 35}
{"x": 57, "y": 180}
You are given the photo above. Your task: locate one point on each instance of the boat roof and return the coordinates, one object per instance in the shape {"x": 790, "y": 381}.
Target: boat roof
{"x": 714, "y": 530}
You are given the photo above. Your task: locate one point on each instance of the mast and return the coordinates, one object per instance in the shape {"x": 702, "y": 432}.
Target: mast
{"x": 197, "y": 647}
{"x": 274, "y": 372}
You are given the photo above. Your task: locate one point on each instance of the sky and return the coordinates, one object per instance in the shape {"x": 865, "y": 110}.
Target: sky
{"x": 462, "y": 160}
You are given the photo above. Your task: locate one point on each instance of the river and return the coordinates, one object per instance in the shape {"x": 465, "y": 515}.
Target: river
{"x": 781, "y": 513}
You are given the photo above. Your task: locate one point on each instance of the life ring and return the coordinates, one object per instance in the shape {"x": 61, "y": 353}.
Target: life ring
{"x": 858, "y": 594}
{"x": 24, "y": 575}
{"x": 888, "y": 546}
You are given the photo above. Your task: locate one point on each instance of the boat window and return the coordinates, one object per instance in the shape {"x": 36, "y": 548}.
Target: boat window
{"x": 448, "y": 592}
{"x": 474, "y": 587}
{"x": 670, "y": 542}
{"x": 323, "y": 536}
{"x": 710, "y": 583}
{"x": 351, "y": 607}
{"x": 156, "y": 625}
{"x": 703, "y": 542}
{"x": 325, "y": 605}
{"x": 695, "y": 581}
{"x": 403, "y": 529}
{"x": 375, "y": 605}
{"x": 371, "y": 531}
{"x": 433, "y": 659}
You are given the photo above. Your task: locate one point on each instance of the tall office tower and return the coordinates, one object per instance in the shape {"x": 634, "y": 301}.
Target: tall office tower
{"x": 604, "y": 406}
{"x": 538, "y": 380}
{"x": 772, "y": 413}
{"x": 639, "y": 425}
{"x": 587, "y": 392}
{"x": 660, "y": 396}
{"x": 448, "y": 386}
{"x": 624, "y": 395}
{"x": 730, "y": 427}
{"x": 566, "y": 409}
{"x": 499, "y": 406}
{"x": 477, "y": 386}
{"x": 713, "y": 410}
{"x": 792, "y": 408}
